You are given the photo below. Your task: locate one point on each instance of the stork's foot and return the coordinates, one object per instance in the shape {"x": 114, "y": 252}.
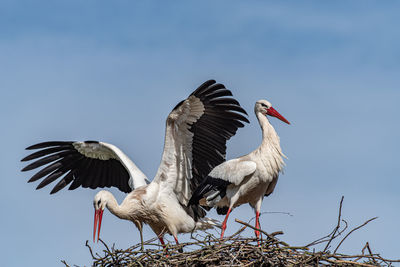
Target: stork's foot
{"x": 141, "y": 245}
{"x": 258, "y": 237}
{"x": 164, "y": 247}
{"x": 166, "y": 252}
{"x": 177, "y": 243}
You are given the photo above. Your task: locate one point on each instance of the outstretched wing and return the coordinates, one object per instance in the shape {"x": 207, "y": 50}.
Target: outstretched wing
{"x": 88, "y": 164}
{"x": 195, "y": 139}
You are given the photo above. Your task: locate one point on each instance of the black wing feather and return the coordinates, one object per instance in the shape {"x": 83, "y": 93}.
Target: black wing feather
{"x": 68, "y": 163}
{"x": 49, "y": 144}
{"x": 209, "y": 186}
{"x": 222, "y": 116}
{"x": 203, "y": 87}
{"x": 231, "y": 107}
{"x": 45, "y": 171}
{"x": 63, "y": 182}
{"x": 218, "y": 93}
{"x": 51, "y": 178}
{"x": 102, "y": 174}
{"x": 224, "y": 101}
{"x": 89, "y": 172}
{"x": 44, "y": 152}
{"x": 46, "y": 160}
{"x": 212, "y": 89}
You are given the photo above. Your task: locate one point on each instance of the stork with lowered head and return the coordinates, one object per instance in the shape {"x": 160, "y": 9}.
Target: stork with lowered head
{"x": 196, "y": 133}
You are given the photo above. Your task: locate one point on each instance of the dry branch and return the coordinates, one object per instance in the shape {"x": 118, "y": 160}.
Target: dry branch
{"x": 232, "y": 251}
{"x": 237, "y": 250}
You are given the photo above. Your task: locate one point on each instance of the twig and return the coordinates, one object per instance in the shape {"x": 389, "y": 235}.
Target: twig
{"x": 358, "y": 227}
{"x": 276, "y": 233}
{"x": 265, "y": 233}
{"x": 277, "y": 212}
{"x": 369, "y": 250}
{"x": 337, "y": 225}
{"x": 342, "y": 262}
{"x": 90, "y": 249}
{"x": 327, "y": 237}
{"x": 239, "y": 231}
{"x": 65, "y": 263}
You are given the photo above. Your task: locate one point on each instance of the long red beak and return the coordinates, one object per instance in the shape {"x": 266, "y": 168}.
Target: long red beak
{"x": 272, "y": 112}
{"x": 98, "y": 216}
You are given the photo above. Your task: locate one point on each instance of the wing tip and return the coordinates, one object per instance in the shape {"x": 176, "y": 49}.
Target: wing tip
{"x": 40, "y": 186}
{"x": 49, "y": 144}
{"x": 24, "y": 169}
{"x": 25, "y": 159}
{"x": 36, "y": 146}
{"x": 55, "y": 190}
{"x": 244, "y": 119}
{"x": 203, "y": 86}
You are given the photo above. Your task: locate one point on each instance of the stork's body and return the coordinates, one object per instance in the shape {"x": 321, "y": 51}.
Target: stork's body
{"x": 246, "y": 179}
{"x": 146, "y": 205}
{"x": 195, "y": 141}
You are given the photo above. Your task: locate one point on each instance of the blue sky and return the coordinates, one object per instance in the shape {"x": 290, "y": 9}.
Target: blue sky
{"x": 74, "y": 70}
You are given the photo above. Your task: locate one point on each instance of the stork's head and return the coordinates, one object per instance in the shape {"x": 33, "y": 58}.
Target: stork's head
{"x": 99, "y": 203}
{"x": 264, "y": 107}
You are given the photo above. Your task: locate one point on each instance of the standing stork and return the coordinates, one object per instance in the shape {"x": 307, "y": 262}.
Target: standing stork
{"x": 195, "y": 141}
{"x": 246, "y": 179}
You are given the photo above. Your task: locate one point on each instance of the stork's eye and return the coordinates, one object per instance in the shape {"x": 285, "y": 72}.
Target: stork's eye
{"x": 265, "y": 106}
{"x": 98, "y": 202}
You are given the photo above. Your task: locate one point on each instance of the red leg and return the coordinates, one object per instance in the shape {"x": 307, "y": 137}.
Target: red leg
{"x": 163, "y": 245}
{"x": 258, "y": 227}
{"x": 161, "y": 241}
{"x": 224, "y": 223}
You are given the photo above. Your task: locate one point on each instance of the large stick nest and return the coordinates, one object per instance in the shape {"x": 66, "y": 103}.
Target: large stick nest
{"x": 237, "y": 250}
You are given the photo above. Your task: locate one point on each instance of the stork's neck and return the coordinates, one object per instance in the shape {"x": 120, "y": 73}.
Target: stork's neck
{"x": 270, "y": 150}
{"x": 268, "y": 132}
{"x": 118, "y": 210}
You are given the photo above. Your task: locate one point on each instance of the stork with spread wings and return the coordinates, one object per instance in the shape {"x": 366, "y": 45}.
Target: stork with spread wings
{"x": 197, "y": 130}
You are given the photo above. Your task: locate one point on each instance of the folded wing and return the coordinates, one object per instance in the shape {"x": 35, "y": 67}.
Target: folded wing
{"x": 213, "y": 188}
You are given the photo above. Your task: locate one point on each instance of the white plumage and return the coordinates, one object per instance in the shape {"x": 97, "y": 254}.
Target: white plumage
{"x": 195, "y": 141}
{"x": 248, "y": 178}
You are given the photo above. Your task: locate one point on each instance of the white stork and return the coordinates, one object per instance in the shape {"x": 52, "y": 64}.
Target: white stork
{"x": 195, "y": 141}
{"x": 246, "y": 179}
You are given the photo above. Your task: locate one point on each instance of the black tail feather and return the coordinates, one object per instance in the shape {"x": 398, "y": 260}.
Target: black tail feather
{"x": 210, "y": 185}
{"x": 222, "y": 210}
